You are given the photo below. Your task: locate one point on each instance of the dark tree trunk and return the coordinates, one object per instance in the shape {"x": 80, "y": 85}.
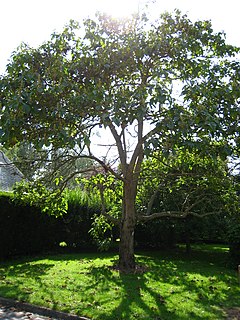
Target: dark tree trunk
{"x": 126, "y": 248}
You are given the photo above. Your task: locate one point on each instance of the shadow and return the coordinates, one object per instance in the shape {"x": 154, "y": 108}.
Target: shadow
{"x": 130, "y": 291}
{"x": 132, "y": 305}
{"x": 174, "y": 286}
{"x": 201, "y": 278}
{"x": 171, "y": 282}
{"x": 13, "y": 283}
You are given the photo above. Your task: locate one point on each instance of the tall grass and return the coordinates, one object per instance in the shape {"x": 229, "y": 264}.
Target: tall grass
{"x": 6, "y": 194}
{"x": 79, "y": 197}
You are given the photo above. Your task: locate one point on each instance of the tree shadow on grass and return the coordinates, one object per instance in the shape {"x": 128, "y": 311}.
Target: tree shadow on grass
{"x": 130, "y": 289}
{"x": 201, "y": 278}
{"x": 170, "y": 281}
{"x": 132, "y": 304}
{"x": 178, "y": 282}
{"x": 13, "y": 282}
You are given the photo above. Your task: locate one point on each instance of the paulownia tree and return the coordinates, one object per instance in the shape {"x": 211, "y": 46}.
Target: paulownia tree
{"x": 148, "y": 85}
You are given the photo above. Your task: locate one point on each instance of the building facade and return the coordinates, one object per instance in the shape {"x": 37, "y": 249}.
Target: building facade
{"x": 9, "y": 173}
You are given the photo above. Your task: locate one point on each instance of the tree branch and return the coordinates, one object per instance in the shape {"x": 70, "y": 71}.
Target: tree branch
{"x": 103, "y": 164}
{"x": 117, "y": 138}
{"x": 175, "y": 214}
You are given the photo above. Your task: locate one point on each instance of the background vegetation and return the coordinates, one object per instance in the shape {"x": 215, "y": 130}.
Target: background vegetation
{"x": 26, "y": 230}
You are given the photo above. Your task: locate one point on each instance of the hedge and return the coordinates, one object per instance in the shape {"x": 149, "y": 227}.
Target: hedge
{"x": 25, "y": 230}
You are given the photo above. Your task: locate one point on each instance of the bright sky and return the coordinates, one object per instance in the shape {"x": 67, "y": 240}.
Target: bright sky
{"x": 33, "y": 21}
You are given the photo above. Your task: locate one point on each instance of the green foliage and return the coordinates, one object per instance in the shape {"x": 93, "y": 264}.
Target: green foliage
{"x": 57, "y": 204}
{"x": 233, "y": 228}
{"x": 63, "y": 244}
{"x": 233, "y": 236}
{"x": 52, "y": 94}
{"x": 6, "y": 194}
{"x": 27, "y": 231}
{"x": 187, "y": 182}
{"x": 36, "y": 194}
{"x": 108, "y": 190}
{"x": 101, "y": 232}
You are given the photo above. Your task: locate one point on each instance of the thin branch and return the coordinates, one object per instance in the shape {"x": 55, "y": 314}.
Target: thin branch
{"x": 104, "y": 165}
{"x": 149, "y": 134}
{"x": 72, "y": 175}
{"x": 124, "y": 139}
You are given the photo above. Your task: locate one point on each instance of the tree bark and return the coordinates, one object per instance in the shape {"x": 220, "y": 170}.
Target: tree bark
{"x": 127, "y": 227}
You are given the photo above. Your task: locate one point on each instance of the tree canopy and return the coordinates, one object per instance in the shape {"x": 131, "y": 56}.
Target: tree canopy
{"x": 151, "y": 86}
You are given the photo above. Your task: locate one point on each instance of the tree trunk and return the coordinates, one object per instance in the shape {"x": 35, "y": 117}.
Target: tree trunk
{"x": 126, "y": 248}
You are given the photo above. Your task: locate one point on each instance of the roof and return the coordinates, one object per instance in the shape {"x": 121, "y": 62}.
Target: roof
{"x": 9, "y": 173}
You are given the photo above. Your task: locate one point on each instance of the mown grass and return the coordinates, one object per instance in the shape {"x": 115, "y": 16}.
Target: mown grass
{"x": 174, "y": 286}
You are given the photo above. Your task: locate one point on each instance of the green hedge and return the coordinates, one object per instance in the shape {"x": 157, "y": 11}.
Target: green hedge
{"x": 25, "y": 230}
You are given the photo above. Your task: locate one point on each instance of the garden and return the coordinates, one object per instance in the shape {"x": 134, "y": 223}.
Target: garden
{"x": 125, "y": 133}
{"x": 46, "y": 266}
{"x": 168, "y": 285}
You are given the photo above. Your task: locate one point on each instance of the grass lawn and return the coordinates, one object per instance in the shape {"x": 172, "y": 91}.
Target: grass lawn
{"x": 175, "y": 286}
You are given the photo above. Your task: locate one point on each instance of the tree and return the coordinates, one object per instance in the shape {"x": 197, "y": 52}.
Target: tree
{"x": 187, "y": 181}
{"x": 149, "y": 85}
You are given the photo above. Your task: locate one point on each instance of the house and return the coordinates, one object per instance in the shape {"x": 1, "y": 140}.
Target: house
{"x": 9, "y": 173}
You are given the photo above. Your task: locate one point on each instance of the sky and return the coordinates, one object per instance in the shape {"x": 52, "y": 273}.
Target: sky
{"x": 33, "y": 21}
